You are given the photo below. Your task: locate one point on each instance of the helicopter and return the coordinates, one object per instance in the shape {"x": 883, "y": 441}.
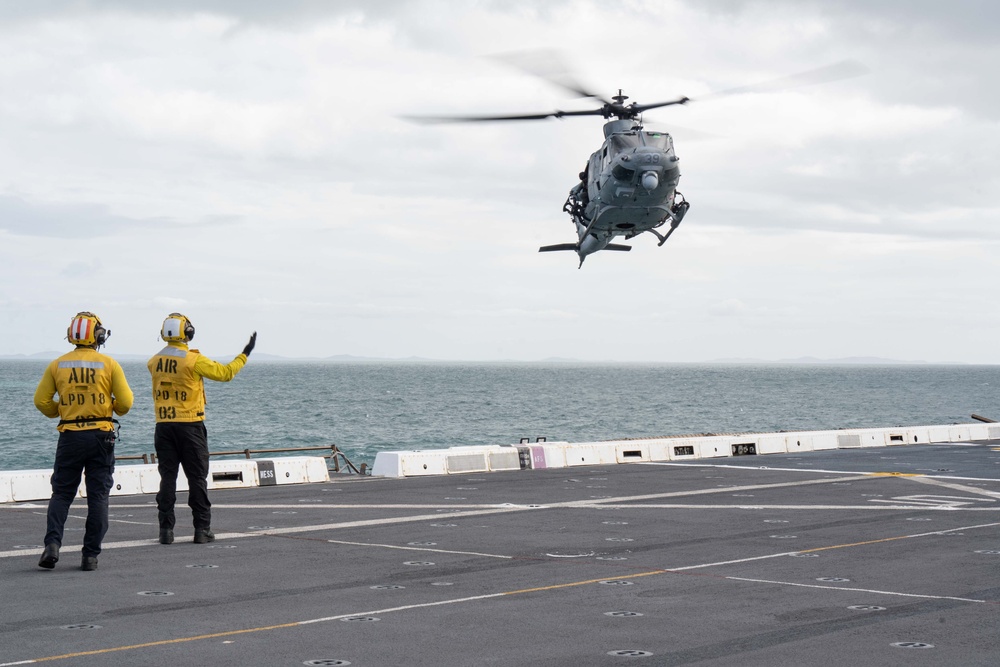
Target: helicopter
{"x": 629, "y": 185}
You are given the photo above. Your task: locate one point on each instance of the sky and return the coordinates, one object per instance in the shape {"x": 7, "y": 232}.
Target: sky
{"x": 249, "y": 164}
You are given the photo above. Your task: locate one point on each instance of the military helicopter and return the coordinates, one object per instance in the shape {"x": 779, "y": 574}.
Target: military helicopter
{"x": 629, "y": 185}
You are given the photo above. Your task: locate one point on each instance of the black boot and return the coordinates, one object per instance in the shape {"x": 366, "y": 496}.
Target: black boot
{"x": 89, "y": 563}
{"x": 49, "y": 557}
{"x": 203, "y": 535}
{"x": 166, "y": 536}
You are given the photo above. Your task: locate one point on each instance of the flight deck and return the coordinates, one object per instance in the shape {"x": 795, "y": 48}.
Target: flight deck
{"x": 887, "y": 556}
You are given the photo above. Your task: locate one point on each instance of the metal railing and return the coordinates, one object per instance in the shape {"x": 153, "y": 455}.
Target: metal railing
{"x": 335, "y": 456}
{"x": 145, "y": 458}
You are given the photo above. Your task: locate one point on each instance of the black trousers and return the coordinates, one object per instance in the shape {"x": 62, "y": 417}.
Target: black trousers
{"x": 183, "y": 444}
{"x": 93, "y": 451}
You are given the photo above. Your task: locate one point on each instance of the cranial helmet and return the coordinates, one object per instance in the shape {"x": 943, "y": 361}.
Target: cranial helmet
{"x": 86, "y": 329}
{"x": 177, "y": 328}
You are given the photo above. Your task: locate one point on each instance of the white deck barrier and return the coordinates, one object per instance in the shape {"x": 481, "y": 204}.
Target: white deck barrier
{"x": 683, "y": 448}
{"x": 33, "y": 485}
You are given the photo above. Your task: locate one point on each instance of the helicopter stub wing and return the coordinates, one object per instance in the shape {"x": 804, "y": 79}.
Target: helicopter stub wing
{"x": 575, "y": 248}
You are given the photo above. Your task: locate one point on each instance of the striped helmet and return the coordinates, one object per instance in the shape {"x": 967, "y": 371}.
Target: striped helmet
{"x": 86, "y": 329}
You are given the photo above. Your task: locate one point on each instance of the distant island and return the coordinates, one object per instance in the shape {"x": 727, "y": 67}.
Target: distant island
{"x": 871, "y": 361}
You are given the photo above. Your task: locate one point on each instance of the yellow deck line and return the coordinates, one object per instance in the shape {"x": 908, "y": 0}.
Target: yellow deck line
{"x": 162, "y": 642}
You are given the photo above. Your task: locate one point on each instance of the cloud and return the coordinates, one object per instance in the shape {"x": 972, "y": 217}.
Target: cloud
{"x": 246, "y": 163}
{"x": 22, "y": 218}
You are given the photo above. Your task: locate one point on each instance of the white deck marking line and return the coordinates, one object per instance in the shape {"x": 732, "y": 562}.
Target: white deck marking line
{"x": 836, "y": 546}
{"x": 279, "y": 531}
{"x": 939, "y": 508}
{"x": 83, "y": 518}
{"x": 455, "y": 515}
{"x": 308, "y": 506}
{"x": 958, "y": 487}
{"x": 857, "y": 590}
{"x": 737, "y": 561}
{"x": 362, "y": 523}
{"x": 451, "y": 515}
{"x": 609, "y": 502}
{"x": 75, "y": 548}
{"x": 731, "y": 466}
{"x": 901, "y": 537}
{"x": 873, "y": 473}
{"x": 408, "y": 548}
{"x": 702, "y": 492}
{"x": 408, "y": 607}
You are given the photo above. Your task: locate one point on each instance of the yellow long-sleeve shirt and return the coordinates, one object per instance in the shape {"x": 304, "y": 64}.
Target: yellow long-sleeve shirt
{"x": 178, "y": 381}
{"x": 90, "y": 386}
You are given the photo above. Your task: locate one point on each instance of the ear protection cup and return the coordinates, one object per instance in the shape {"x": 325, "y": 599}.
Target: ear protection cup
{"x": 177, "y": 328}
{"x": 101, "y": 335}
{"x": 86, "y": 329}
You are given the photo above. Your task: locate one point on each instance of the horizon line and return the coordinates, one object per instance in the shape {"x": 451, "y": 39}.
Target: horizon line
{"x": 349, "y": 358}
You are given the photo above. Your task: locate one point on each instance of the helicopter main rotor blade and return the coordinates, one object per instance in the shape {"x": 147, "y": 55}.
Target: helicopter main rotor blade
{"x": 845, "y": 69}
{"x": 639, "y": 108}
{"x": 479, "y": 119}
{"x": 549, "y": 65}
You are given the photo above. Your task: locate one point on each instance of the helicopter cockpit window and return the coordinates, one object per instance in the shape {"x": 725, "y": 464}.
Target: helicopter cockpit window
{"x": 624, "y": 142}
{"x": 622, "y": 174}
{"x": 658, "y": 140}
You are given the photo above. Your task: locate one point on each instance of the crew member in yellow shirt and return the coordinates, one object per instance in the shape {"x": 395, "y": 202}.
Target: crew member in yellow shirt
{"x": 180, "y": 438}
{"x": 90, "y": 387}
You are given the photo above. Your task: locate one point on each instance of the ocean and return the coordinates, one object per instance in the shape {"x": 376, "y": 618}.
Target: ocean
{"x": 365, "y": 408}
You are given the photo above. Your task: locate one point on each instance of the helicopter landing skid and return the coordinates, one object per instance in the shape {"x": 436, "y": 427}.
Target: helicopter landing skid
{"x": 677, "y": 214}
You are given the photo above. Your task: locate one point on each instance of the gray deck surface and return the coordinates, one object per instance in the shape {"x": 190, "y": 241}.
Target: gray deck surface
{"x": 807, "y": 561}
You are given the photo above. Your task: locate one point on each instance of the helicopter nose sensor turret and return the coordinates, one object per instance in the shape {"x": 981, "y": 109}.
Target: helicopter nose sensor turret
{"x": 650, "y": 180}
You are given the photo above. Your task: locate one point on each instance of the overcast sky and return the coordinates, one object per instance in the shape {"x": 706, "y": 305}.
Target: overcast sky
{"x": 245, "y": 162}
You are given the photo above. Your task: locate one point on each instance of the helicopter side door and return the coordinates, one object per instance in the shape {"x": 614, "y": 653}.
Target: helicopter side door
{"x": 598, "y": 165}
